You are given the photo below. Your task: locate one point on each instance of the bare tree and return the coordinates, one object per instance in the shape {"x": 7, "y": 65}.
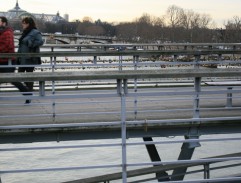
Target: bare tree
{"x": 187, "y": 18}
{"x": 233, "y": 30}
{"x": 205, "y": 21}
{"x": 158, "y": 21}
{"x": 174, "y": 16}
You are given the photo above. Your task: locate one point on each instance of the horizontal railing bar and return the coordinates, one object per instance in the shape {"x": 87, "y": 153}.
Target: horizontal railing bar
{"x": 183, "y": 98}
{"x": 120, "y": 53}
{"x": 117, "y": 112}
{"x": 66, "y": 125}
{"x": 129, "y": 62}
{"x": 214, "y": 97}
{"x": 188, "y": 109}
{"x": 140, "y": 44}
{"x": 126, "y": 65}
{"x": 188, "y": 120}
{"x": 119, "y": 144}
{"x": 207, "y": 180}
{"x": 189, "y": 95}
{"x": 57, "y": 114}
{"x": 83, "y": 113}
{"x": 70, "y": 96}
{"x": 164, "y": 110}
{"x": 60, "y": 147}
{"x": 220, "y": 108}
{"x": 59, "y": 169}
{"x": 135, "y": 123}
{"x": 225, "y": 166}
{"x": 178, "y": 162}
{"x": 59, "y": 103}
{"x": 7, "y": 98}
{"x": 184, "y": 141}
{"x": 138, "y": 74}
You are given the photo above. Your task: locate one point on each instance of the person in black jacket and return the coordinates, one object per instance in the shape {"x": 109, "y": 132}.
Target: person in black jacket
{"x": 29, "y": 42}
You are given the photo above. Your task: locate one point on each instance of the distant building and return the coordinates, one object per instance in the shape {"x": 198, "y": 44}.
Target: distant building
{"x": 66, "y": 17}
{"x": 17, "y": 13}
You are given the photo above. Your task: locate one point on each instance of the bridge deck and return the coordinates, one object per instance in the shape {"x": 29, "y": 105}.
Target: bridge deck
{"x": 80, "y": 110}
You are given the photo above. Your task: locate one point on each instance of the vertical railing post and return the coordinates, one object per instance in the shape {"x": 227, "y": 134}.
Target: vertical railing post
{"x": 122, "y": 91}
{"x": 135, "y": 62}
{"x": 10, "y": 61}
{"x": 175, "y": 58}
{"x": 53, "y": 63}
{"x": 229, "y": 97}
{"x": 219, "y": 57}
{"x": 206, "y": 171}
{"x": 197, "y": 88}
{"x": 42, "y": 88}
{"x": 193, "y": 132}
{"x": 120, "y": 62}
{"x": 95, "y": 60}
{"x": 51, "y": 58}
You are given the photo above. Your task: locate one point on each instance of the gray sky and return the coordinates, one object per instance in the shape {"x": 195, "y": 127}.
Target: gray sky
{"x": 126, "y": 10}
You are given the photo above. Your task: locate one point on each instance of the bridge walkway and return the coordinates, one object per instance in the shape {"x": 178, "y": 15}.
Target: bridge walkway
{"x": 79, "y": 109}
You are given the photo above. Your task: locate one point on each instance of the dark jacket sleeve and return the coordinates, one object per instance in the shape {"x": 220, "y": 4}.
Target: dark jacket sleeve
{"x": 36, "y": 40}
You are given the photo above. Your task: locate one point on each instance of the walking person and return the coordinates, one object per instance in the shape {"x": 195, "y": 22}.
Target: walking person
{"x": 29, "y": 42}
{"x": 7, "y": 46}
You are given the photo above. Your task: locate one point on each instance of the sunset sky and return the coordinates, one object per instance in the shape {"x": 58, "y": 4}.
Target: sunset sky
{"x": 126, "y": 10}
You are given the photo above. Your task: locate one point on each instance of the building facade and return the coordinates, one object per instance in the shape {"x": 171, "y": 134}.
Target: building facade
{"x": 17, "y": 14}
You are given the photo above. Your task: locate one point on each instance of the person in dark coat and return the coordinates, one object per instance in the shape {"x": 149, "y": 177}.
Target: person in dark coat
{"x": 7, "y": 46}
{"x": 29, "y": 42}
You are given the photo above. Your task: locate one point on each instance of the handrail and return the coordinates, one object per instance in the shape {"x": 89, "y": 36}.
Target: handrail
{"x": 139, "y": 74}
{"x": 118, "y": 53}
{"x": 142, "y": 44}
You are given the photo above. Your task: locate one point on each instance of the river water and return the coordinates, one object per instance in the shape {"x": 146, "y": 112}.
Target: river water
{"x": 76, "y": 157}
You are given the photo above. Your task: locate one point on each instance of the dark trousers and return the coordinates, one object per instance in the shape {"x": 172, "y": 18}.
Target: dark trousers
{"x": 27, "y": 69}
{"x": 21, "y": 87}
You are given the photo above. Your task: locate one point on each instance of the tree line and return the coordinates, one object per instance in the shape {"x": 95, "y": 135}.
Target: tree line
{"x": 177, "y": 25}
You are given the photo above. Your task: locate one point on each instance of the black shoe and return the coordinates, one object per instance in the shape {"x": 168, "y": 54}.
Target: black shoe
{"x": 28, "y": 101}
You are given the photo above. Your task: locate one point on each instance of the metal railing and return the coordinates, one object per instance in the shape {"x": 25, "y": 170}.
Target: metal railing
{"x": 140, "y": 103}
